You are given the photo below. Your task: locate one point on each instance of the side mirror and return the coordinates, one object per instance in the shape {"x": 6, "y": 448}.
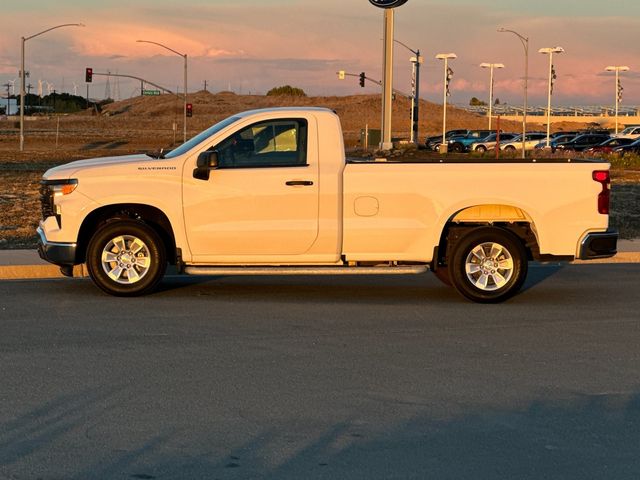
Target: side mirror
{"x": 206, "y": 162}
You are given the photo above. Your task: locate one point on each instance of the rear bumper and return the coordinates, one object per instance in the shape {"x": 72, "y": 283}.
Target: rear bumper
{"x": 57, "y": 253}
{"x": 599, "y": 245}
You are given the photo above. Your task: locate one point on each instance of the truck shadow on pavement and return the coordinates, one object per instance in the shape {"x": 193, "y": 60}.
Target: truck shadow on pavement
{"x": 587, "y": 436}
{"x": 350, "y": 289}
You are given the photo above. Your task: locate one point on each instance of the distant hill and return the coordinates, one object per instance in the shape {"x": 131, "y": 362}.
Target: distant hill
{"x": 355, "y": 111}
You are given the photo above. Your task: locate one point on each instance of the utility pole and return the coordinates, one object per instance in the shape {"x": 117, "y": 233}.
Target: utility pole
{"x": 205, "y": 86}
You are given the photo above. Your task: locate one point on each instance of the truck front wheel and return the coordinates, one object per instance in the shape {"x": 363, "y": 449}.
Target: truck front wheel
{"x": 488, "y": 265}
{"x": 126, "y": 258}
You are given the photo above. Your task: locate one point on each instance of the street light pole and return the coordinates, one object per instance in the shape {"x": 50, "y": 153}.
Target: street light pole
{"x": 416, "y": 61}
{"x": 617, "y": 69}
{"x": 491, "y": 67}
{"x": 525, "y": 43}
{"x": 550, "y": 51}
{"x": 387, "y": 81}
{"x": 22, "y": 74}
{"x": 445, "y": 57}
{"x": 183, "y": 55}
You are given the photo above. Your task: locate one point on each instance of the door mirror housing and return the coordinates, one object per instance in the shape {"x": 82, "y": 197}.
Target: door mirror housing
{"x": 206, "y": 162}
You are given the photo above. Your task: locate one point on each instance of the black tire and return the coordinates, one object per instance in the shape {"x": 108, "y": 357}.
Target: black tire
{"x": 510, "y": 148}
{"x": 457, "y": 148}
{"x": 134, "y": 254}
{"x": 488, "y": 265}
{"x": 481, "y": 149}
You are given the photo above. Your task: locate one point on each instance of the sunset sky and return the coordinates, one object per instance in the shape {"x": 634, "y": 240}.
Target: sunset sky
{"x": 250, "y": 46}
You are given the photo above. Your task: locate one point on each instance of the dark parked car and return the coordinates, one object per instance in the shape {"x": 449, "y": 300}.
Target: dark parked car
{"x": 432, "y": 143}
{"x": 609, "y": 145}
{"x": 553, "y": 141}
{"x": 631, "y": 148}
{"x": 582, "y": 142}
{"x": 459, "y": 144}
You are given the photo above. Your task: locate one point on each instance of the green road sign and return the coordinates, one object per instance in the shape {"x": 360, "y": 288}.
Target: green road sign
{"x": 150, "y": 92}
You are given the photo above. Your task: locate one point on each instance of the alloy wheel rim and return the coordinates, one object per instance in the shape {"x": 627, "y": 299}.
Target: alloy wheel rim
{"x": 489, "y": 266}
{"x": 126, "y": 259}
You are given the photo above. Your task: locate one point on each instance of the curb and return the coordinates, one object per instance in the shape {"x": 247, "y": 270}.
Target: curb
{"x": 30, "y": 272}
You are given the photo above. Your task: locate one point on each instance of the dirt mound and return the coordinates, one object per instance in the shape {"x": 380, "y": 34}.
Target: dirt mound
{"x": 355, "y": 111}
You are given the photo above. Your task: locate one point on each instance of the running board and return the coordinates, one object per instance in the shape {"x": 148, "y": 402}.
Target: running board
{"x": 401, "y": 270}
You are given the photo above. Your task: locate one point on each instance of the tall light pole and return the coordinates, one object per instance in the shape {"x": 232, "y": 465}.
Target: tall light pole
{"x": 617, "y": 69}
{"x": 491, "y": 67}
{"x": 387, "y": 81}
{"x": 183, "y": 55}
{"x": 22, "y": 75}
{"x": 416, "y": 61}
{"x": 525, "y": 43}
{"x": 550, "y": 51}
{"x": 447, "y": 77}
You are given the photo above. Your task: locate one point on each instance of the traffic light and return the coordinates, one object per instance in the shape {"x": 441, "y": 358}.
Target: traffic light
{"x": 88, "y": 75}
{"x": 449, "y": 77}
{"x": 553, "y": 77}
{"x": 189, "y": 110}
{"x": 362, "y": 79}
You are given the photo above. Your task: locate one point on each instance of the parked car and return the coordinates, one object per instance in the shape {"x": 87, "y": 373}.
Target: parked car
{"x": 489, "y": 143}
{"x": 432, "y": 143}
{"x": 632, "y": 131}
{"x": 553, "y": 141}
{"x": 582, "y": 142}
{"x": 531, "y": 140}
{"x": 625, "y": 149}
{"x": 610, "y": 144}
{"x": 460, "y": 144}
{"x": 560, "y": 133}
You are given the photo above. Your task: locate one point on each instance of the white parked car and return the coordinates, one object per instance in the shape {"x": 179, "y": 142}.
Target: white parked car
{"x": 489, "y": 143}
{"x": 632, "y": 131}
{"x": 531, "y": 140}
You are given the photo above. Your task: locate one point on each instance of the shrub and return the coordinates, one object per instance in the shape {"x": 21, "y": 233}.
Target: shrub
{"x": 286, "y": 90}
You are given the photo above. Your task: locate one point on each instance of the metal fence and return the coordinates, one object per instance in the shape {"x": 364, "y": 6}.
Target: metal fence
{"x": 566, "y": 111}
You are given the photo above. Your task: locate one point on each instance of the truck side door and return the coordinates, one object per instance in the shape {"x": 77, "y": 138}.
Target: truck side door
{"x": 261, "y": 199}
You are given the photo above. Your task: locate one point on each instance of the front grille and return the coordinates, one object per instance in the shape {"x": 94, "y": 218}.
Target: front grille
{"x": 46, "y": 200}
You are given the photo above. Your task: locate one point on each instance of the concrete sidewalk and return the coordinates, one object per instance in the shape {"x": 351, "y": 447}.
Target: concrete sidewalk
{"x": 26, "y": 264}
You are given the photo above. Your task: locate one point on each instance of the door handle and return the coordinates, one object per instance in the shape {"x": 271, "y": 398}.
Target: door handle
{"x": 304, "y": 183}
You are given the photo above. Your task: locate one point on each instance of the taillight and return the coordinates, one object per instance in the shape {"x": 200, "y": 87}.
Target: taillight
{"x": 603, "y": 178}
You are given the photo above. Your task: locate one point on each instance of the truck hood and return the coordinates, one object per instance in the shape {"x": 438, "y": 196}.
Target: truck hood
{"x": 67, "y": 170}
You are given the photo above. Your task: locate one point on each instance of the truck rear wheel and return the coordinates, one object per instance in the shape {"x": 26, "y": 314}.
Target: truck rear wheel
{"x": 488, "y": 265}
{"x": 126, "y": 258}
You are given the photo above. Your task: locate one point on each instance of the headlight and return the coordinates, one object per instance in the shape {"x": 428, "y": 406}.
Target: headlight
{"x": 49, "y": 190}
{"x": 62, "y": 187}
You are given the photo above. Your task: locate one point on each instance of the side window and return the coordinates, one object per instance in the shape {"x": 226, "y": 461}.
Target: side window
{"x": 275, "y": 143}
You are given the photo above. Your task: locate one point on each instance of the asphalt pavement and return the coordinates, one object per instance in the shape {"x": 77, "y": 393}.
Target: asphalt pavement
{"x": 354, "y": 378}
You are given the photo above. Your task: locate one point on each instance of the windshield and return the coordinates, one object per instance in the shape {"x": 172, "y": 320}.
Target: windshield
{"x": 201, "y": 137}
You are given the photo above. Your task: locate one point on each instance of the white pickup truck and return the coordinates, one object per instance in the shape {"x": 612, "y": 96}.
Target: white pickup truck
{"x": 271, "y": 192}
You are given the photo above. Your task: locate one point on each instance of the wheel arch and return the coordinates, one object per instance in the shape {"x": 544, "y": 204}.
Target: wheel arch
{"x": 507, "y": 217}
{"x": 147, "y": 214}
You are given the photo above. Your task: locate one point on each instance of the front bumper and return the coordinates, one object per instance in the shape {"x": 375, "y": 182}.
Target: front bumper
{"x": 62, "y": 254}
{"x": 599, "y": 245}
